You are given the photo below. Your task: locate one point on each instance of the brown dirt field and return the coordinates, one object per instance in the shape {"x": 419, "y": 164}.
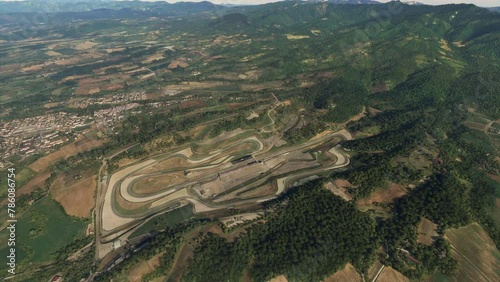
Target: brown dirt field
{"x": 87, "y": 144}
{"x": 257, "y": 87}
{"x": 326, "y": 74}
{"x": 154, "y": 57}
{"x": 157, "y": 184}
{"x": 159, "y": 279}
{"x": 51, "y": 105}
{"x": 192, "y": 85}
{"x": 176, "y": 64}
{"x": 33, "y": 68}
{"x": 444, "y": 45}
{"x": 64, "y": 152}
{"x": 114, "y": 50}
{"x": 71, "y": 77}
{"x": 36, "y": 182}
{"x": 146, "y": 76}
{"x": 163, "y": 165}
{"x": 52, "y": 53}
{"x": 192, "y": 103}
{"x": 389, "y": 274}
{"x": 144, "y": 267}
{"x": 373, "y": 111}
{"x": 387, "y": 195}
{"x": 77, "y": 199}
{"x": 348, "y": 274}
{"x": 235, "y": 106}
{"x": 85, "y": 45}
{"x": 280, "y": 278}
{"x": 341, "y": 192}
{"x": 296, "y": 37}
{"x": 426, "y": 229}
{"x": 252, "y": 116}
{"x": 343, "y": 183}
{"x": 94, "y": 90}
{"x": 228, "y": 76}
{"x": 112, "y": 86}
{"x": 494, "y": 177}
{"x": 476, "y": 253}
{"x": 125, "y": 162}
{"x": 476, "y": 125}
{"x": 379, "y": 88}
{"x": 82, "y": 90}
{"x": 45, "y": 162}
{"x": 66, "y": 62}
{"x": 261, "y": 191}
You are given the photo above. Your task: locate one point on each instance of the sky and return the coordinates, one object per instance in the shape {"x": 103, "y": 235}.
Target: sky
{"x": 481, "y": 3}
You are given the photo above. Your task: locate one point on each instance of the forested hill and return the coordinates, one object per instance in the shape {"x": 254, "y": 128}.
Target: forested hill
{"x": 380, "y": 45}
{"x": 428, "y": 71}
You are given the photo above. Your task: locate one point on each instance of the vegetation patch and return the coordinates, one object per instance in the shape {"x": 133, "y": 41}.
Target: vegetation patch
{"x": 289, "y": 235}
{"x": 44, "y": 229}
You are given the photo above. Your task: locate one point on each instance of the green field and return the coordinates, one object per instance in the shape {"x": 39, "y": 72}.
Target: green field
{"x": 479, "y": 118}
{"x": 165, "y": 220}
{"x": 480, "y": 139}
{"x": 43, "y": 230}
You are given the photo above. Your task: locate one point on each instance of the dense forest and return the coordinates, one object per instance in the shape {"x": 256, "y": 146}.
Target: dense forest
{"x": 312, "y": 234}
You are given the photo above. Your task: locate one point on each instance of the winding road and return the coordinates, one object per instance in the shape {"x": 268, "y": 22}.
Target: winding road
{"x": 113, "y": 224}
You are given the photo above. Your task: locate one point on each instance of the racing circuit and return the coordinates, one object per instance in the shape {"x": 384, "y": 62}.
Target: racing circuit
{"x": 226, "y": 172}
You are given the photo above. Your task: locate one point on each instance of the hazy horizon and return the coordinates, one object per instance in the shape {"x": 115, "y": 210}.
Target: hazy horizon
{"x": 481, "y": 3}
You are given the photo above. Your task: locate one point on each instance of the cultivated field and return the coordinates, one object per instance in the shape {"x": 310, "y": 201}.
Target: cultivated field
{"x": 348, "y": 274}
{"x": 77, "y": 199}
{"x": 64, "y": 152}
{"x": 389, "y": 274}
{"x": 478, "y": 258}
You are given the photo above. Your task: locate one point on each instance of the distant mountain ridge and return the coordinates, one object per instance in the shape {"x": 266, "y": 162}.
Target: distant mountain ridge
{"x": 54, "y": 6}
{"x": 51, "y": 6}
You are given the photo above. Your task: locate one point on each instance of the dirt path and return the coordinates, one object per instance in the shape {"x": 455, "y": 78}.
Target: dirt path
{"x": 489, "y": 138}
{"x": 378, "y": 273}
{"x": 276, "y": 103}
